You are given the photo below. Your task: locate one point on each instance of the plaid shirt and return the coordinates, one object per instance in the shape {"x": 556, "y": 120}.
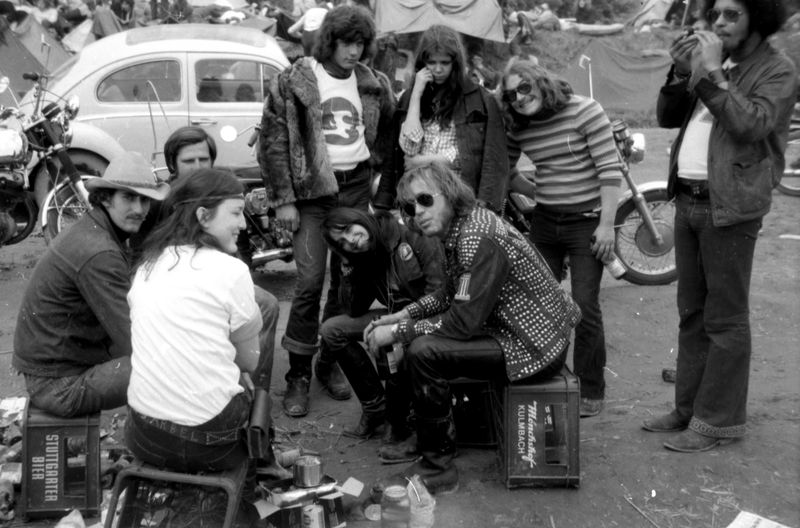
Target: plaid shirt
{"x": 432, "y": 139}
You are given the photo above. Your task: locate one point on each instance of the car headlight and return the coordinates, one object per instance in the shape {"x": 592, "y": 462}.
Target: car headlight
{"x": 72, "y": 106}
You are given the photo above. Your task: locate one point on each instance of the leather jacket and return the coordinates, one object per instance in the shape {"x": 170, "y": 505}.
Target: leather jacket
{"x": 748, "y": 135}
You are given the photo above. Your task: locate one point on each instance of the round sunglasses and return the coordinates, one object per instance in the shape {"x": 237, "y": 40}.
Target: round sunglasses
{"x": 731, "y": 15}
{"x": 523, "y": 88}
{"x": 423, "y": 199}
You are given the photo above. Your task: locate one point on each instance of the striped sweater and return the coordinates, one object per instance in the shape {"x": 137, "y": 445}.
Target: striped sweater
{"x": 574, "y": 154}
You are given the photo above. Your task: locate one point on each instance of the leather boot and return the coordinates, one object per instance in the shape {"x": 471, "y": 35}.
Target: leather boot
{"x": 436, "y": 440}
{"x": 399, "y": 450}
{"x": 295, "y": 401}
{"x": 373, "y": 418}
{"x": 327, "y": 371}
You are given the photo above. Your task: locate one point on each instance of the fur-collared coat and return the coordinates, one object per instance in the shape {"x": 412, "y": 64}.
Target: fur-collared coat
{"x": 292, "y": 152}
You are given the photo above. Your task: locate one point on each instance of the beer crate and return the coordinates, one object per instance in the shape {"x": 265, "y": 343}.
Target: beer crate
{"x": 61, "y": 465}
{"x": 472, "y": 412}
{"x": 539, "y": 432}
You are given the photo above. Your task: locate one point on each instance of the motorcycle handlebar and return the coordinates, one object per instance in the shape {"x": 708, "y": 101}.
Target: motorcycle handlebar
{"x": 31, "y": 76}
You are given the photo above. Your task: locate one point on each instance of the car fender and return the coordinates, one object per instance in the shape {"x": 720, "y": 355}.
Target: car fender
{"x": 89, "y": 138}
{"x": 643, "y": 187}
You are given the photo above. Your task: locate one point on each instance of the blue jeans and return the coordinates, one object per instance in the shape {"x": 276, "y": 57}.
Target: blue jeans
{"x": 216, "y": 445}
{"x": 341, "y": 334}
{"x": 714, "y": 345}
{"x": 556, "y": 235}
{"x": 103, "y": 386}
{"x": 311, "y": 258}
{"x": 270, "y": 311}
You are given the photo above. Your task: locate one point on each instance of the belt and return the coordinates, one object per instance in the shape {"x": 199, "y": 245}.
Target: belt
{"x": 188, "y": 433}
{"x": 342, "y": 177}
{"x": 697, "y": 189}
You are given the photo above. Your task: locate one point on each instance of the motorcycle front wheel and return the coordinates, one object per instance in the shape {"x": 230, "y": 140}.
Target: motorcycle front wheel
{"x": 647, "y": 262}
{"x": 61, "y": 209}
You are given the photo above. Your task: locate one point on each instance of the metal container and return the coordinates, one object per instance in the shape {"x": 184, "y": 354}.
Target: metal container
{"x": 307, "y": 471}
{"x": 313, "y": 516}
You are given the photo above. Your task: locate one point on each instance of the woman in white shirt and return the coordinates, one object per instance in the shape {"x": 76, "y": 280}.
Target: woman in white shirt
{"x": 195, "y": 326}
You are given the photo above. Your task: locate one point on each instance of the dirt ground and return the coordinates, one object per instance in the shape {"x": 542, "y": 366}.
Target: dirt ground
{"x": 627, "y": 479}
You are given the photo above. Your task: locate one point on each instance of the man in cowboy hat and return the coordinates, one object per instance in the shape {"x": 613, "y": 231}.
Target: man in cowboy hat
{"x": 73, "y": 336}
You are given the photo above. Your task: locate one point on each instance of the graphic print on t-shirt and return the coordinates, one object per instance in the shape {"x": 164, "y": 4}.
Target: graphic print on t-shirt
{"x": 339, "y": 121}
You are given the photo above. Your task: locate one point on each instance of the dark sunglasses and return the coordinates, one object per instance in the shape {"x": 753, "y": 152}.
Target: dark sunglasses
{"x": 731, "y": 15}
{"x": 523, "y": 88}
{"x": 424, "y": 199}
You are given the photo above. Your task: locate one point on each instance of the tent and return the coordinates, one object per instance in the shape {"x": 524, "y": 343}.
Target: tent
{"x": 39, "y": 42}
{"x": 619, "y": 81}
{"x": 652, "y": 10}
{"x": 16, "y": 60}
{"x": 479, "y": 18}
{"x": 79, "y": 37}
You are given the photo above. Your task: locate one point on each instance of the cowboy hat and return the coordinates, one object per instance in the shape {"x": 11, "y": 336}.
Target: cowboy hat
{"x": 129, "y": 172}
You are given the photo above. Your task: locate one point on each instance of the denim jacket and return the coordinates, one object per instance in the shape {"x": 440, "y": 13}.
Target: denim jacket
{"x": 74, "y": 313}
{"x": 748, "y": 135}
{"x": 481, "y": 139}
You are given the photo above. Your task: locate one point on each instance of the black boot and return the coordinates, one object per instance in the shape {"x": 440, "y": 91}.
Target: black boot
{"x": 373, "y": 419}
{"x": 331, "y": 376}
{"x": 436, "y": 440}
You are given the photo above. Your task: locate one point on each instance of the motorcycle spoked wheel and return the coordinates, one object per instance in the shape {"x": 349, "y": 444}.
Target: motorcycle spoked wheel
{"x": 647, "y": 263}
{"x": 790, "y": 181}
{"x": 24, "y": 214}
{"x": 62, "y": 210}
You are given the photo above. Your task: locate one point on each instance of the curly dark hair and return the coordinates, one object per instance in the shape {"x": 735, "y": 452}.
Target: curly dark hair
{"x": 183, "y": 137}
{"x": 206, "y": 188}
{"x": 554, "y": 90}
{"x": 439, "y": 39}
{"x": 766, "y": 16}
{"x": 348, "y": 24}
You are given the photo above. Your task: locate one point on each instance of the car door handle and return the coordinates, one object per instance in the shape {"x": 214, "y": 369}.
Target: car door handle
{"x": 202, "y": 122}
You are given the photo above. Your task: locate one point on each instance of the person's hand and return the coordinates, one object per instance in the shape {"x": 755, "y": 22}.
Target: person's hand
{"x": 421, "y": 80}
{"x": 709, "y": 50}
{"x": 603, "y": 243}
{"x": 681, "y": 53}
{"x": 388, "y": 319}
{"x": 247, "y": 382}
{"x": 287, "y": 217}
{"x": 379, "y": 336}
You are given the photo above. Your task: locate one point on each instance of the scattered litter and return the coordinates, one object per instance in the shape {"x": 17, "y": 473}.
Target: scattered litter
{"x": 611, "y": 371}
{"x": 751, "y": 520}
{"x": 788, "y": 237}
{"x": 73, "y": 519}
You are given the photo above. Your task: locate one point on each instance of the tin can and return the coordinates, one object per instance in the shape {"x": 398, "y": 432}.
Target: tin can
{"x": 615, "y": 267}
{"x": 307, "y": 471}
{"x": 313, "y": 516}
{"x": 395, "y": 507}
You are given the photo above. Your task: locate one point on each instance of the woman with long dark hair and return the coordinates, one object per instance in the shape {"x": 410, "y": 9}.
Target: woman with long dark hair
{"x": 385, "y": 261}
{"x": 447, "y": 116}
{"x": 577, "y": 185}
{"x": 196, "y": 331}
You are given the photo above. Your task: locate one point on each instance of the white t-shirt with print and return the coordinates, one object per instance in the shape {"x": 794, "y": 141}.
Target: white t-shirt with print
{"x": 342, "y": 119}
{"x": 183, "y": 313}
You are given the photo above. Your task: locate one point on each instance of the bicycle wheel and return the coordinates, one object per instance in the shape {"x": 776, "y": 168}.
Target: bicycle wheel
{"x": 647, "y": 262}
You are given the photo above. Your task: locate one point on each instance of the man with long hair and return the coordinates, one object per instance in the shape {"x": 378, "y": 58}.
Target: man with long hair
{"x": 319, "y": 144}
{"x": 731, "y": 93}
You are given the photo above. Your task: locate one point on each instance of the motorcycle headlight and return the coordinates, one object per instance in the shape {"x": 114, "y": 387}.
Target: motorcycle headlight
{"x": 72, "y": 106}
{"x": 13, "y": 146}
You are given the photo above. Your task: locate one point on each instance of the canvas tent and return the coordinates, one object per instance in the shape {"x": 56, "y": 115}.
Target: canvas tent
{"x": 620, "y": 81}
{"x": 652, "y": 10}
{"x": 479, "y": 18}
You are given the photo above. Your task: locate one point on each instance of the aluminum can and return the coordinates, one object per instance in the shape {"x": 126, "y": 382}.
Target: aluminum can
{"x": 395, "y": 507}
{"x": 615, "y": 267}
{"x": 307, "y": 471}
{"x": 313, "y": 516}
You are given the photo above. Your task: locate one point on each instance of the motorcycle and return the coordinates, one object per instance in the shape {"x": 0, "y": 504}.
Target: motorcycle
{"x": 44, "y": 132}
{"x": 644, "y": 221}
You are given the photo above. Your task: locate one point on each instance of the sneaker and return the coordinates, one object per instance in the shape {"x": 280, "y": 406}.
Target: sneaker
{"x": 295, "y": 401}
{"x": 333, "y": 380}
{"x": 590, "y": 407}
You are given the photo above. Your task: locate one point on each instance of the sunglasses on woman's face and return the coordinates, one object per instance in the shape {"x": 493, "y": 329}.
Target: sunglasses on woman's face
{"x": 423, "y": 199}
{"x": 523, "y": 88}
{"x": 731, "y": 15}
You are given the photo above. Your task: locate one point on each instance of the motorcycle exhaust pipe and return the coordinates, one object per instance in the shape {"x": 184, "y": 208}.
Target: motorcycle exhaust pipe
{"x": 262, "y": 257}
